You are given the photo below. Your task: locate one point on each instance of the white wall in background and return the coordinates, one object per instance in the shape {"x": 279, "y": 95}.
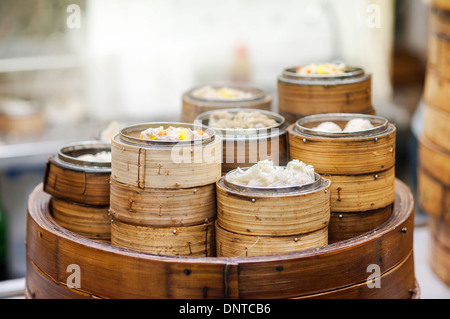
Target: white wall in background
{"x": 144, "y": 54}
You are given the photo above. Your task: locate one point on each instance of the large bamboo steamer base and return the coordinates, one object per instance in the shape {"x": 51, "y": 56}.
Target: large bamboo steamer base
{"x": 113, "y": 272}
{"x": 440, "y": 249}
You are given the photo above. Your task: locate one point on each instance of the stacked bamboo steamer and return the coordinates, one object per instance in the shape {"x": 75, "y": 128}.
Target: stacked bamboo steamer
{"x": 80, "y": 189}
{"x": 246, "y": 147}
{"x": 193, "y": 105}
{"x": 434, "y": 142}
{"x": 255, "y": 221}
{"x": 360, "y": 165}
{"x": 163, "y": 192}
{"x": 302, "y": 95}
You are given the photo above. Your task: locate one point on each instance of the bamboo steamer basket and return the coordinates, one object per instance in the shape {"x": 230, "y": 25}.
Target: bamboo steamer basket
{"x": 193, "y": 106}
{"x": 245, "y": 147}
{"x": 162, "y": 201}
{"x": 197, "y": 240}
{"x": 51, "y": 248}
{"x": 159, "y": 164}
{"x": 434, "y": 180}
{"x": 21, "y": 117}
{"x": 92, "y": 222}
{"x": 360, "y": 165}
{"x": 72, "y": 179}
{"x": 436, "y": 127}
{"x": 440, "y": 249}
{"x": 161, "y": 207}
{"x": 253, "y": 221}
{"x": 300, "y": 95}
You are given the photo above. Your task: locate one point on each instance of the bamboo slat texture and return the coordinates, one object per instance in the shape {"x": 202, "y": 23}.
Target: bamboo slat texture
{"x": 108, "y": 271}
{"x": 434, "y": 142}
{"x": 66, "y": 177}
{"x": 300, "y": 95}
{"x": 163, "y": 192}
{"x": 360, "y": 165}
{"x": 246, "y": 147}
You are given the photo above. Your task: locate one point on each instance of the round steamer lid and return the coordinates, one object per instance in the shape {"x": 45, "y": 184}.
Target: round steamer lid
{"x": 305, "y": 124}
{"x": 232, "y": 133}
{"x": 67, "y": 156}
{"x": 273, "y": 191}
{"x": 130, "y": 134}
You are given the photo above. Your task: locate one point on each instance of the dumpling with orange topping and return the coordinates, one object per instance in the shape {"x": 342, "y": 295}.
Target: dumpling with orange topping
{"x": 172, "y": 133}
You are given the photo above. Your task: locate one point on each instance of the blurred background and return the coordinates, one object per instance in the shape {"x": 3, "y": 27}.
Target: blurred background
{"x": 69, "y": 68}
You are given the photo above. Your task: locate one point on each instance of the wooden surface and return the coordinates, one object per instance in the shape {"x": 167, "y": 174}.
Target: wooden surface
{"x": 112, "y": 272}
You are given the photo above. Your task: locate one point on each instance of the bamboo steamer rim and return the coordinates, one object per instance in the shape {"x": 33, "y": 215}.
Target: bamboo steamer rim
{"x": 351, "y": 75}
{"x": 319, "y": 118}
{"x": 124, "y": 137}
{"x": 247, "y": 134}
{"x": 317, "y": 184}
{"x": 403, "y": 207}
{"x": 65, "y": 159}
{"x": 257, "y": 93}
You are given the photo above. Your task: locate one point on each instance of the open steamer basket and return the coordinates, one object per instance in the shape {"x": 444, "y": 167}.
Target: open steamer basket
{"x": 361, "y": 166}
{"x": 80, "y": 189}
{"x": 163, "y": 192}
{"x": 245, "y": 147}
{"x": 301, "y": 95}
{"x": 128, "y": 273}
{"x": 253, "y": 221}
{"x": 193, "y": 105}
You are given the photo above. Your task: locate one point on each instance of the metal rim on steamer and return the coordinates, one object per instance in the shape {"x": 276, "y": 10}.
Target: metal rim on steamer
{"x": 282, "y": 190}
{"x": 65, "y": 158}
{"x": 230, "y": 133}
{"x": 382, "y": 124}
{"x": 351, "y": 75}
{"x": 257, "y": 93}
{"x": 124, "y": 134}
